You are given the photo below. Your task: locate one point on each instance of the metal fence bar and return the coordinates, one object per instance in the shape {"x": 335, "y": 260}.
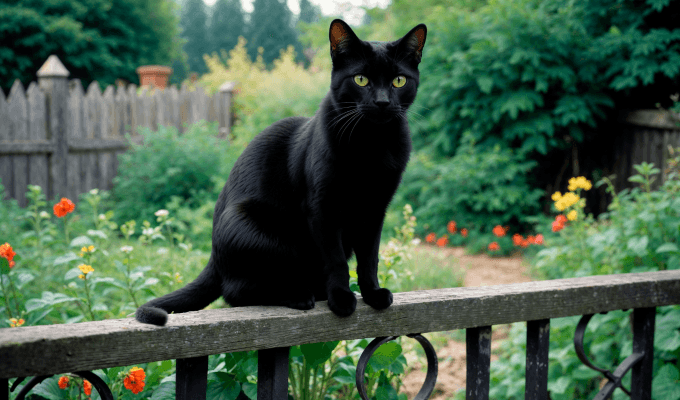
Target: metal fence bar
{"x": 4, "y": 389}
{"x": 192, "y": 378}
{"x": 478, "y": 347}
{"x": 538, "y": 345}
{"x": 643, "y": 342}
{"x": 272, "y": 374}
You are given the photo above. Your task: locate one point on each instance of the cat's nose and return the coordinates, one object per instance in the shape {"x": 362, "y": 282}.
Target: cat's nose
{"x": 381, "y": 98}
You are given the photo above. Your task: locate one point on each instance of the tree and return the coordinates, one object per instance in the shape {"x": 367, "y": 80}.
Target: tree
{"x": 194, "y": 24}
{"x": 103, "y": 40}
{"x": 309, "y": 13}
{"x": 227, "y": 23}
{"x": 272, "y": 29}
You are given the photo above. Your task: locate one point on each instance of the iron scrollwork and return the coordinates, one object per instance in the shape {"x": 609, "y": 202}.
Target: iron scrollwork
{"x": 613, "y": 378}
{"x": 97, "y": 382}
{"x": 432, "y": 365}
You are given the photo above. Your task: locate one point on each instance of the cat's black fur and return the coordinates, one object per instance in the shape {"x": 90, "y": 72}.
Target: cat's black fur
{"x": 307, "y": 193}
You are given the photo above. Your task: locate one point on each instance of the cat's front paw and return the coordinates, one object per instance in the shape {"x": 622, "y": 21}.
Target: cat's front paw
{"x": 301, "y": 304}
{"x": 379, "y": 299}
{"x": 342, "y": 302}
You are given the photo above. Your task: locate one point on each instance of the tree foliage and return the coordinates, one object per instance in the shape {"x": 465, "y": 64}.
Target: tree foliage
{"x": 227, "y": 23}
{"x": 102, "y": 40}
{"x": 271, "y": 28}
{"x": 194, "y": 24}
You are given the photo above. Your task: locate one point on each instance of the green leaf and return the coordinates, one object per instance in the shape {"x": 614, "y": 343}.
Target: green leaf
{"x": 224, "y": 389}
{"x": 667, "y": 247}
{"x": 164, "y": 391}
{"x": 561, "y": 385}
{"x": 384, "y": 356}
{"x": 81, "y": 241}
{"x": 386, "y": 392}
{"x": 72, "y": 274}
{"x": 638, "y": 245}
{"x": 4, "y": 266}
{"x": 317, "y": 353}
{"x": 666, "y": 383}
{"x": 49, "y": 389}
{"x": 485, "y": 84}
{"x": 250, "y": 389}
{"x": 65, "y": 259}
{"x": 48, "y": 299}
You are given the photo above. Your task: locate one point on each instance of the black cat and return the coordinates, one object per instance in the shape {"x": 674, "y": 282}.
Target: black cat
{"x": 307, "y": 193}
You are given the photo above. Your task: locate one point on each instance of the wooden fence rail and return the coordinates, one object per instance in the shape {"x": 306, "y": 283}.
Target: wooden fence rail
{"x": 66, "y": 140}
{"x": 55, "y": 349}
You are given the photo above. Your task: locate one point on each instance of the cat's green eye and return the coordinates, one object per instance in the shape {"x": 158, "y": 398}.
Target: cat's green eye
{"x": 360, "y": 80}
{"x": 399, "y": 81}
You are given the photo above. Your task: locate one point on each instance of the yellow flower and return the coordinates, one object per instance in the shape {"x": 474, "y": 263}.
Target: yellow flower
{"x": 566, "y": 201}
{"x": 14, "y": 323}
{"x": 572, "y": 215}
{"x": 87, "y": 249}
{"x": 556, "y": 196}
{"x": 85, "y": 269}
{"x": 579, "y": 183}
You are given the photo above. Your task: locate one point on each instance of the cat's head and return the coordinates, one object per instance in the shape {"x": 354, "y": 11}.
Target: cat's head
{"x": 379, "y": 79}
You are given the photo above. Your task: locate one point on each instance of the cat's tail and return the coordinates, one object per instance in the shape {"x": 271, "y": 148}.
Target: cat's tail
{"x": 193, "y": 297}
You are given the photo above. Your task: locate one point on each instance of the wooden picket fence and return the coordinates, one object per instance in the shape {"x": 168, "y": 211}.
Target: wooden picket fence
{"x": 66, "y": 140}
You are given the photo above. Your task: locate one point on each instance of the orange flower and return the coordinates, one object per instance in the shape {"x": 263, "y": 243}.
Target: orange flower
{"x": 87, "y": 387}
{"x": 451, "y": 227}
{"x": 524, "y": 243}
{"x": 517, "y": 239}
{"x": 442, "y": 241}
{"x": 531, "y": 239}
{"x": 7, "y": 252}
{"x": 63, "y": 382}
{"x": 134, "y": 380}
{"x": 556, "y": 226}
{"x": 493, "y": 246}
{"x": 538, "y": 239}
{"x": 64, "y": 207}
{"x": 499, "y": 231}
{"x": 430, "y": 238}
{"x": 15, "y": 323}
{"x": 561, "y": 219}
{"x": 464, "y": 232}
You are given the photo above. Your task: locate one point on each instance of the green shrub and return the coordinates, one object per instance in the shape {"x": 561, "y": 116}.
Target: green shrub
{"x": 165, "y": 165}
{"x": 478, "y": 188}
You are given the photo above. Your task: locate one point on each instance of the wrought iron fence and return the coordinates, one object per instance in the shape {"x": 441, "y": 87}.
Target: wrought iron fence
{"x": 42, "y": 351}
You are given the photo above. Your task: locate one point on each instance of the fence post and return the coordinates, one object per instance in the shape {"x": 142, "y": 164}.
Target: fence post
{"x": 272, "y": 373}
{"x": 224, "y": 115}
{"x": 478, "y": 353}
{"x": 643, "y": 342}
{"x": 53, "y": 80}
{"x": 192, "y": 378}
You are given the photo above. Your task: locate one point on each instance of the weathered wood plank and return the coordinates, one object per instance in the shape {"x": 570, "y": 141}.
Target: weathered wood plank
{"x": 18, "y": 122}
{"x": 89, "y": 164}
{"x": 99, "y": 145}
{"x": 649, "y": 118}
{"x": 105, "y": 158}
{"x": 37, "y": 163}
{"x": 26, "y": 148}
{"x": 5, "y": 161}
{"x": 29, "y": 351}
{"x": 76, "y": 135}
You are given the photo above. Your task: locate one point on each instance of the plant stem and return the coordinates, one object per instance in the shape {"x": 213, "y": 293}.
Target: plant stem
{"x": 89, "y": 302}
{"x": 16, "y": 303}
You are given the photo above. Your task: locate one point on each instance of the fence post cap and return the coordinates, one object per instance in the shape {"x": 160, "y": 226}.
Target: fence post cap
{"x": 227, "y": 86}
{"x": 53, "y": 68}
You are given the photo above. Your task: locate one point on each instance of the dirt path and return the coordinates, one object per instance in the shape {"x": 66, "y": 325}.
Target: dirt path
{"x": 480, "y": 270}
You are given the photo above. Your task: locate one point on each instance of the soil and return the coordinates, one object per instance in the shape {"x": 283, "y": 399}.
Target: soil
{"x": 480, "y": 270}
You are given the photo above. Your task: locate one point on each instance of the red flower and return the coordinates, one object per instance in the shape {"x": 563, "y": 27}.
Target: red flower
{"x": 524, "y": 243}
{"x": 430, "y": 238}
{"x": 64, "y": 207}
{"x": 499, "y": 231}
{"x": 87, "y": 387}
{"x": 556, "y": 226}
{"x": 538, "y": 239}
{"x": 63, "y": 382}
{"x": 451, "y": 227}
{"x": 531, "y": 239}
{"x": 561, "y": 219}
{"x": 442, "y": 241}
{"x": 464, "y": 232}
{"x": 7, "y": 252}
{"x": 493, "y": 246}
{"x": 517, "y": 239}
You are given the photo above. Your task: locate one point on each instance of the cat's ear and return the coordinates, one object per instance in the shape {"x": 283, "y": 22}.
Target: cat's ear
{"x": 414, "y": 41}
{"x": 341, "y": 37}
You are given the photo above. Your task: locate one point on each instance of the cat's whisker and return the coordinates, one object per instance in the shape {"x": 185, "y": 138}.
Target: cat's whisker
{"x": 361, "y": 115}
{"x": 340, "y": 117}
{"x": 346, "y": 124}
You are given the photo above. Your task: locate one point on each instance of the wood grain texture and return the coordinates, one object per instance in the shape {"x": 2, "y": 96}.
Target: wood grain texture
{"x": 52, "y": 349}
